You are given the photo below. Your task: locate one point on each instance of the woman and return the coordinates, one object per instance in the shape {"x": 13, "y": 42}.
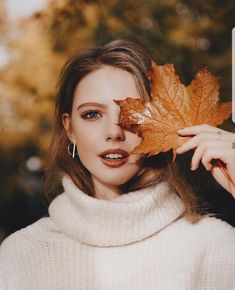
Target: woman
{"x": 121, "y": 222}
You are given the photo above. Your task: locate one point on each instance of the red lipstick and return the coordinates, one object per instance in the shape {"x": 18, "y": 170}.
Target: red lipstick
{"x": 114, "y": 157}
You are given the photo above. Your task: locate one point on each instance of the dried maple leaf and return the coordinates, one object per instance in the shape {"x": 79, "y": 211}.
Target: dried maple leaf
{"x": 172, "y": 106}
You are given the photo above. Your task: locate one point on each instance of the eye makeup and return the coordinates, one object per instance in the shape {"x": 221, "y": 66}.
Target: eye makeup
{"x": 91, "y": 114}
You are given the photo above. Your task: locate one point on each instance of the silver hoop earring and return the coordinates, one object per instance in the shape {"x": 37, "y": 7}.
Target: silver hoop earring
{"x": 73, "y": 153}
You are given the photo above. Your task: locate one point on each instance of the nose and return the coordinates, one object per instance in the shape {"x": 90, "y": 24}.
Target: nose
{"x": 114, "y": 131}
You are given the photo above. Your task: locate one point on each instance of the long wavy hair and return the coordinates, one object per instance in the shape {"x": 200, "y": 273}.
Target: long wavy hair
{"x": 130, "y": 57}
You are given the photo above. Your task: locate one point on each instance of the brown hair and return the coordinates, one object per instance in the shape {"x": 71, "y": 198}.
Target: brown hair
{"x": 134, "y": 59}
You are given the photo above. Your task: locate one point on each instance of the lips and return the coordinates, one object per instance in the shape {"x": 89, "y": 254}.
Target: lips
{"x": 114, "y": 163}
{"x": 114, "y": 151}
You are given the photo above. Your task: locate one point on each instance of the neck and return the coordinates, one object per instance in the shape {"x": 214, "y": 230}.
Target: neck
{"x": 105, "y": 191}
{"x": 128, "y": 218}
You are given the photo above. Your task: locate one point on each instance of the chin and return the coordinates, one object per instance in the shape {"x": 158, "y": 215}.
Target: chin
{"x": 117, "y": 180}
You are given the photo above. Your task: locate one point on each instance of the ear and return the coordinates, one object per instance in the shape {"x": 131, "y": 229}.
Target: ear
{"x": 66, "y": 120}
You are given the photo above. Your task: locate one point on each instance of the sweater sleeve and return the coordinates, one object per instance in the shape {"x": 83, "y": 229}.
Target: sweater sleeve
{"x": 11, "y": 262}
{"x": 7, "y": 263}
{"x": 219, "y": 259}
{"x": 2, "y": 284}
{"x": 2, "y": 281}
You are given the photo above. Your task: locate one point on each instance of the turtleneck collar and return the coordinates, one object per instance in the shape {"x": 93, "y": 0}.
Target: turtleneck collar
{"x": 128, "y": 218}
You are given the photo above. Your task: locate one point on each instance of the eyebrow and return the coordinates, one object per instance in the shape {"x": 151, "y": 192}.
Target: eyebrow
{"x": 91, "y": 104}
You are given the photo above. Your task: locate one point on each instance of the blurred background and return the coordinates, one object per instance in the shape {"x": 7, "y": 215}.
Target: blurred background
{"x": 35, "y": 39}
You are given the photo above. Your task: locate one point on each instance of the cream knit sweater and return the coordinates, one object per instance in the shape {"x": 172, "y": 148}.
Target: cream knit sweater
{"x": 137, "y": 241}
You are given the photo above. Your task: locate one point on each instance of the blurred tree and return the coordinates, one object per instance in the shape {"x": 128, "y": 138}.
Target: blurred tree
{"x": 2, "y": 16}
{"x": 190, "y": 34}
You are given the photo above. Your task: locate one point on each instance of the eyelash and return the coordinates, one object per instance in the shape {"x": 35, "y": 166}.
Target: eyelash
{"x": 85, "y": 114}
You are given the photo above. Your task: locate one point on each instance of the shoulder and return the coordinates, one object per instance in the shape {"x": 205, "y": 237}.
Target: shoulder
{"x": 208, "y": 235}
{"x": 27, "y": 251}
{"x": 29, "y": 248}
{"x": 215, "y": 228}
{"x": 41, "y": 232}
{"x": 210, "y": 228}
{"x": 219, "y": 235}
{"x": 211, "y": 242}
{"x": 217, "y": 239}
{"x": 214, "y": 237}
{"x": 205, "y": 223}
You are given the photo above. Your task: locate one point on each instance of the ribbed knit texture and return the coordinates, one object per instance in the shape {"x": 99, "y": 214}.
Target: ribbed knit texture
{"x": 137, "y": 241}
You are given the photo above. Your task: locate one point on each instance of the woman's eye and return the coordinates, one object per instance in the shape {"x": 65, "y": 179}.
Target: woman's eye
{"x": 91, "y": 115}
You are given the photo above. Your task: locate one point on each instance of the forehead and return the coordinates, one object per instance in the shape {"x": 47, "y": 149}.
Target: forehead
{"x": 106, "y": 83}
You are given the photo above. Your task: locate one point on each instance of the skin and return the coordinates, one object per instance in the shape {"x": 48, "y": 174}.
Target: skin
{"x": 94, "y": 127}
{"x": 208, "y": 145}
{"x": 108, "y": 83}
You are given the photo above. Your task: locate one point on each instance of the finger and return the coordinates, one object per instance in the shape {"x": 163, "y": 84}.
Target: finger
{"x": 208, "y": 145}
{"x": 199, "y": 129}
{"x": 210, "y": 154}
{"x": 197, "y": 156}
{"x": 190, "y": 144}
{"x": 207, "y": 139}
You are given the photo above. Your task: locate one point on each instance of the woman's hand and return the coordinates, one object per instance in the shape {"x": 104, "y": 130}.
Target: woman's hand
{"x": 211, "y": 143}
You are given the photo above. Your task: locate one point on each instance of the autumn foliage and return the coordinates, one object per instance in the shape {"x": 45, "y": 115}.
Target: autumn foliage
{"x": 172, "y": 106}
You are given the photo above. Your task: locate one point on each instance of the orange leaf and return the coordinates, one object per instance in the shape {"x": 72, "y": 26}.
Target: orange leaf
{"x": 172, "y": 106}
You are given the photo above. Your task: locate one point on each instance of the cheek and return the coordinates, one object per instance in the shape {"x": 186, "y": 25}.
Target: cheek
{"x": 133, "y": 139}
{"x": 85, "y": 141}
{"x": 86, "y": 138}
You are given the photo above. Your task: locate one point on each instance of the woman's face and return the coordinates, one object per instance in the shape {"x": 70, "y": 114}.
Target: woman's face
{"x": 93, "y": 125}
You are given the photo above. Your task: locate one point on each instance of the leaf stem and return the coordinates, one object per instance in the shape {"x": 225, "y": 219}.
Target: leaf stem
{"x": 225, "y": 172}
